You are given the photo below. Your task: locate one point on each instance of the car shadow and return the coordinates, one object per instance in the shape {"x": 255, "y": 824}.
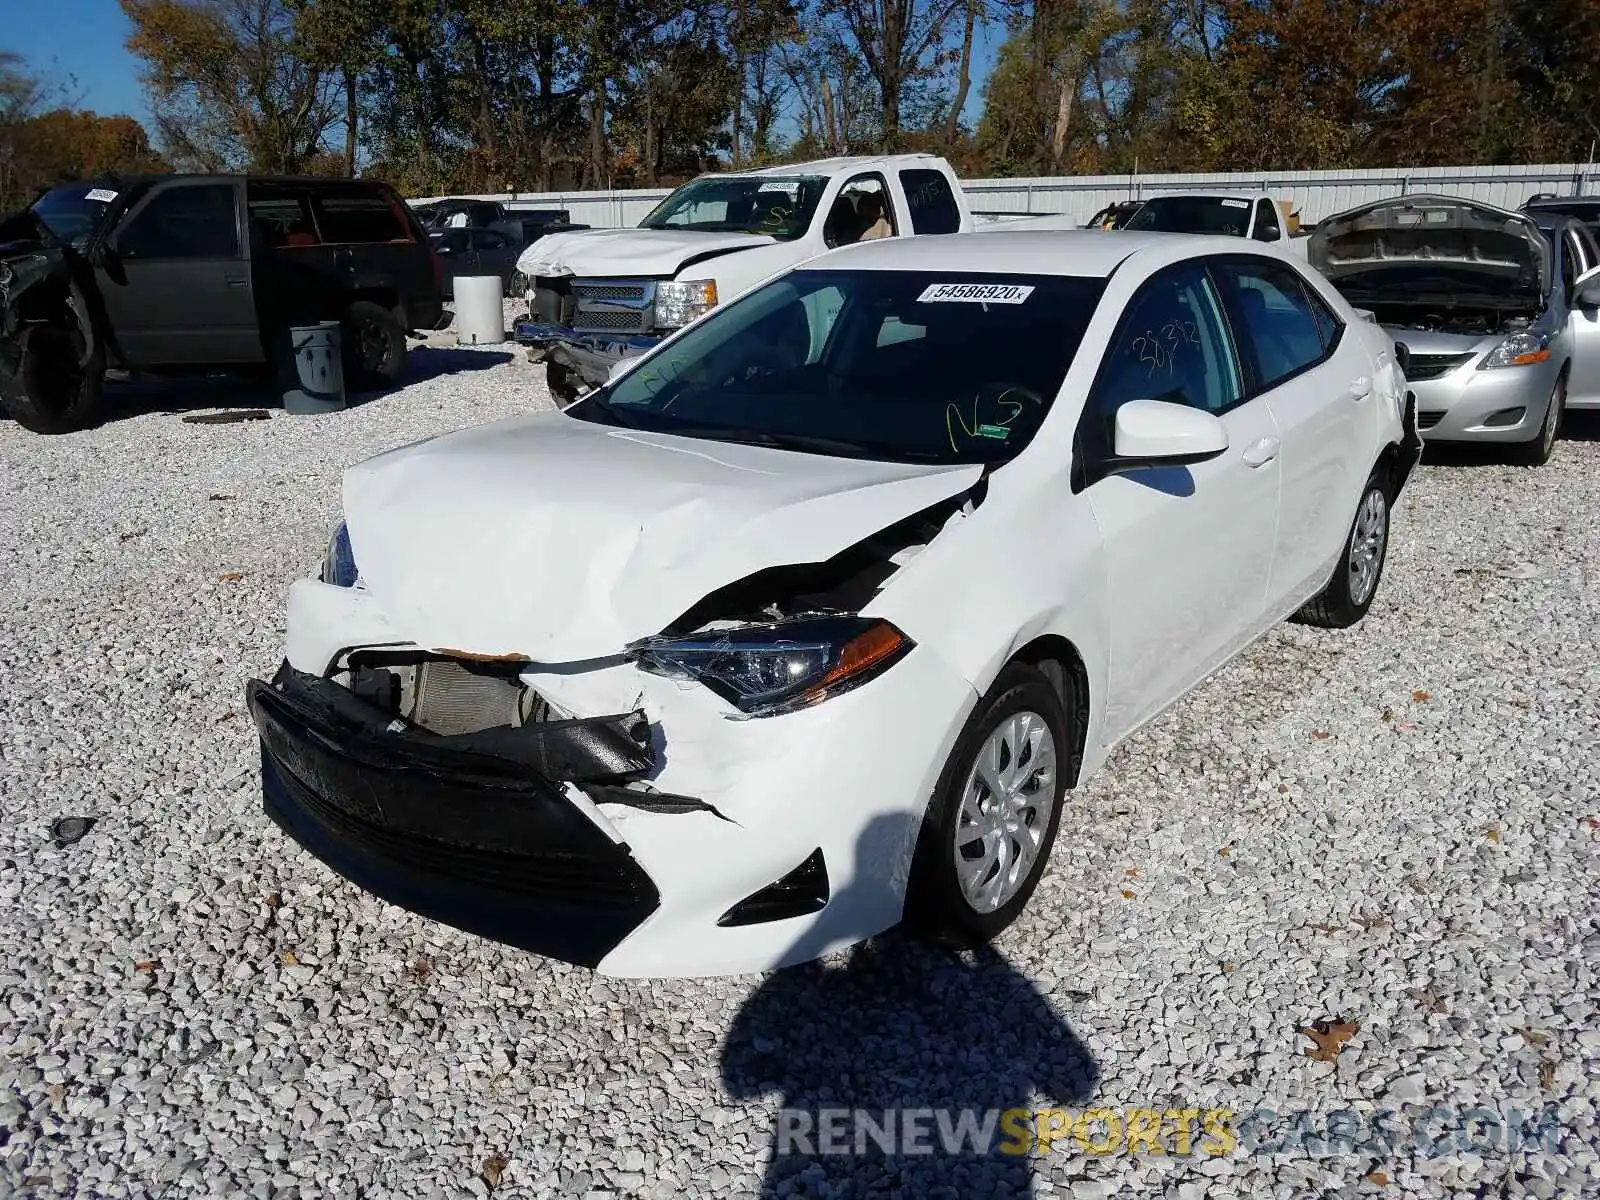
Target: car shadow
{"x": 905, "y": 1068}
{"x": 153, "y": 394}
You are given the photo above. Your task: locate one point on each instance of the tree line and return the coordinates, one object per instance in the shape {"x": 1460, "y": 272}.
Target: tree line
{"x": 495, "y": 95}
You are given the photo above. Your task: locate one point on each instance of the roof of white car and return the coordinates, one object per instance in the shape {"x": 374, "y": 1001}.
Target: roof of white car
{"x": 1082, "y": 252}
{"x": 829, "y": 166}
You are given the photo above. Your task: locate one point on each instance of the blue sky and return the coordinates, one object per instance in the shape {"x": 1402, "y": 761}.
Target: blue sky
{"x": 78, "y": 45}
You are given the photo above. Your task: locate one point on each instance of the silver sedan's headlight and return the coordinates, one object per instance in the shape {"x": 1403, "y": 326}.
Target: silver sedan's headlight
{"x": 681, "y": 301}
{"x": 339, "y": 566}
{"x": 1518, "y": 350}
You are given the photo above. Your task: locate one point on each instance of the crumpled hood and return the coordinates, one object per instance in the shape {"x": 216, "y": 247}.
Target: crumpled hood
{"x": 610, "y": 253}
{"x": 562, "y": 540}
{"x": 1443, "y": 232}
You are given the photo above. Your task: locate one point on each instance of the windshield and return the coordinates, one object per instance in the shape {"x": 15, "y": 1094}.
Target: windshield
{"x": 778, "y": 205}
{"x": 946, "y": 367}
{"x": 1194, "y": 214}
{"x": 73, "y": 212}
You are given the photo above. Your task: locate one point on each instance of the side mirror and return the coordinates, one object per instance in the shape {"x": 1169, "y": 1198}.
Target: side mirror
{"x": 1161, "y": 433}
{"x": 1587, "y": 288}
{"x": 1267, "y": 235}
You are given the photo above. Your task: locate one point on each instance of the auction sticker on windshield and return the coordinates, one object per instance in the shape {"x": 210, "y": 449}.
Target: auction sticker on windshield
{"x": 975, "y": 293}
{"x": 104, "y": 195}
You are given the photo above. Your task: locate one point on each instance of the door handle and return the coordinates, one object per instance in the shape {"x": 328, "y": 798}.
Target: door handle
{"x": 1360, "y": 388}
{"x": 1260, "y": 452}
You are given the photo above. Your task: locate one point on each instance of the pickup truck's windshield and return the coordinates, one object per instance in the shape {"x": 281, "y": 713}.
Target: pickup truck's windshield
{"x": 778, "y": 205}
{"x": 1194, "y": 214}
{"x": 74, "y": 211}
{"x": 908, "y": 366}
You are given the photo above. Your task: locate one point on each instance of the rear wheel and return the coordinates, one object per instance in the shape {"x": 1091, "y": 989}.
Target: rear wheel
{"x": 58, "y": 388}
{"x": 992, "y": 820}
{"x": 1537, "y": 452}
{"x": 1355, "y": 580}
{"x": 374, "y": 346}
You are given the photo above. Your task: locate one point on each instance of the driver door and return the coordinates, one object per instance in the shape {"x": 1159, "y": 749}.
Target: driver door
{"x": 1583, "y": 377}
{"x": 1188, "y": 550}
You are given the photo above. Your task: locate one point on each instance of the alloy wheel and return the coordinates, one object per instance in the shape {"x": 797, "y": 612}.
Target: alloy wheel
{"x": 1005, "y": 810}
{"x": 1367, "y": 545}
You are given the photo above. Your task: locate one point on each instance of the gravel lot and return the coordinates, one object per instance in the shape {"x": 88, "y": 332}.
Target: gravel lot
{"x": 1394, "y": 826}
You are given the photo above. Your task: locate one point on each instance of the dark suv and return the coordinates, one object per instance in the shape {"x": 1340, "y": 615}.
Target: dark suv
{"x": 185, "y": 272}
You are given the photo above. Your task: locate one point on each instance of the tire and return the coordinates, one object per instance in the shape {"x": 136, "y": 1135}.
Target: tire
{"x": 1537, "y": 452}
{"x": 565, "y": 383}
{"x": 60, "y": 385}
{"x": 374, "y": 346}
{"x": 1022, "y": 708}
{"x": 517, "y": 286}
{"x": 1350, "y": 592}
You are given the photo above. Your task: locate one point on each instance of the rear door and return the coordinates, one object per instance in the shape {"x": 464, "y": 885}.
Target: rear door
{"x": 378, "y": 251}
{"x": 1188, "y": 549}
{"x": 1315, "y": 382}
{"x": 176, "y": 278}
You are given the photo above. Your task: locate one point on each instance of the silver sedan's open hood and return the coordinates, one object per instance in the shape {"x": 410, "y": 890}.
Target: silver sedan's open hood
{"x": 1442, "y": 232}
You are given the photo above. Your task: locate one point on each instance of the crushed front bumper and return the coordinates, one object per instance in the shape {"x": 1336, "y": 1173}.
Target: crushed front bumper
{"x": 590, "y": 356}
{"x": 469, "y": 830}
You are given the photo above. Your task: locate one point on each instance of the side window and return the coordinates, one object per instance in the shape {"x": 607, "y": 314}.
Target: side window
{"x": 452, "y": 241}
{"x": 1281, "y": 334}
{"x": 1267, "y": 229}
{"x": 931, "y": 202}
{"x": 487, "y": 239}
{"x": 358, "y": 215}
{"x": 1329, "y": 326}
{"x": 188, "y": 221}
{"x": 1591, "y": 253}
{"x": 279, "y": 217}
{"x": 1170, "y": 345}
{"x": 860, "y": 212}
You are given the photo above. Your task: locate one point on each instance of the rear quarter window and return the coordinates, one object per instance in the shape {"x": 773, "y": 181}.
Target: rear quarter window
{"x": 359, "y": 216}
{"x": 933, "y": 205}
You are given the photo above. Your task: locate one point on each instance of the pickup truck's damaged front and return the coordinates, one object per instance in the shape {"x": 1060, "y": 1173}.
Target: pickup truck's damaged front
{"x": 47, "y": 339}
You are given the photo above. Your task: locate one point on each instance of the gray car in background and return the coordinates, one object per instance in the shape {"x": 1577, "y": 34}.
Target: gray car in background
{"x": 474, "y": 251}
{"x": 1497, "y": 309}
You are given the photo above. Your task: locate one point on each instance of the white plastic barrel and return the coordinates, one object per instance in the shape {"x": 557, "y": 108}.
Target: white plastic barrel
{"x": 480, "y": 316}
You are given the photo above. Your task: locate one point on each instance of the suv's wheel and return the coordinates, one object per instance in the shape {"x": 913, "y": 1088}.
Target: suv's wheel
{"x": 59, "y": 381}
{"x": 1355, "y": 580}
{"x": 1537, "y": 452}
{"x": 517, "y": 286}
{"x": 992, "y": 820}
{"x": 374, "y": 346}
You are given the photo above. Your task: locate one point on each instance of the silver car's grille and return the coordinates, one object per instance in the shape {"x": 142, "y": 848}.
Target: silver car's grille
{"x": 1432, "y": 366}
{"x": 613, "y": 305}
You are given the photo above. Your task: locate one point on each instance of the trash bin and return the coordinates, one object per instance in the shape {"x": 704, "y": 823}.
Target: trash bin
{"x": 317, "y": 377}
{"x": 480, "y": 313}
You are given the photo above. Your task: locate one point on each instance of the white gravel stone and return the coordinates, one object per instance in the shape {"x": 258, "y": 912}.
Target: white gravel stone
{"x": 1428, "y": 870}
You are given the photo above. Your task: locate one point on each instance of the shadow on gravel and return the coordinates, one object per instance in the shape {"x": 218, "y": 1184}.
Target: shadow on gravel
{"x": 857, "y": 1050}
{"x": 144, "y": 395}
{"x": 1576, "y": 426}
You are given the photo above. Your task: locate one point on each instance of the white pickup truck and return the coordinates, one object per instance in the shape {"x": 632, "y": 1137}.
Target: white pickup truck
{"x": 596, "y": 296}
{"x": 1253, "y": 215}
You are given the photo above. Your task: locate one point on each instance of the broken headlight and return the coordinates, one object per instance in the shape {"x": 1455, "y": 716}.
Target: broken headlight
{"x": 339, "y": 567}
{"x": 764, "y": 670}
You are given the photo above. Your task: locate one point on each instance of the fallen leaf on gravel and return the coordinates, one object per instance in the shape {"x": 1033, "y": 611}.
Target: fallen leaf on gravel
{"x": 1426, "y": 998}
{"x": 227, "y": 716}
{"x": 1330, "y": 1037}
{"x": 1535, "y": 1037}
{"x": 1421, "y": 697}
{"x": 1547, "y": 1074}
{"x": 1325, "y": 930}
{"x": 1589, "y": 822}
{"x": 1521, "y": 702}
{"x": 494, "y": 1170}
{"x": 1492, "y": 832}
{"x": 1134, "y": 872}
{"x": 221, "y": 496}
{"x": 1321, "y": 735}
{"x": 1229, "y": 968}
{"x": 273, "y": 900}
{"x": 1371, "y": 921}
{"x": 231, "y": 576}
{"x": 131, "y": 534}
{"x": 1225, "y": 851}
{"x": 289, "y": 959}
{"x": 419, "y": 971}
{"x": 1378, "y": 1177}
{"x": 1127, "y": 895}
{"x": 1388, "y": 713}
{"x": 147, "y": 964}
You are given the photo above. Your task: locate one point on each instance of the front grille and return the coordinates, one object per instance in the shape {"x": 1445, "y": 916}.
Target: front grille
{"x": 609, "y": 320}
{"x": 611, "y": 291}
{"x": 1428, "y": 419}
{"x": 1432, "y": 366}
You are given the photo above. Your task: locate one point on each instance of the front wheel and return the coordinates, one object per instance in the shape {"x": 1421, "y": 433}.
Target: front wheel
{"x": 1355, "y": 580}
{"x": 58, "y": 387}
{"x": 992, "y": 821}
{"x": 1537, "y": 452}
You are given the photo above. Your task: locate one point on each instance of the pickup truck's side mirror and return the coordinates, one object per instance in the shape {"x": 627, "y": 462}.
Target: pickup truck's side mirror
{"x": 1587, "y": 288}
{"x": 1161, "y": 433}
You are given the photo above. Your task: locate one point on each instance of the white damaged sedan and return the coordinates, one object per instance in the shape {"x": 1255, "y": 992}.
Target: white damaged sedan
{"x": 810, "y": 620}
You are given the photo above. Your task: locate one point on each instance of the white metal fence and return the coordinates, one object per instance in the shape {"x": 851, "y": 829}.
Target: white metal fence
{"x": 1316, "y": 194}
